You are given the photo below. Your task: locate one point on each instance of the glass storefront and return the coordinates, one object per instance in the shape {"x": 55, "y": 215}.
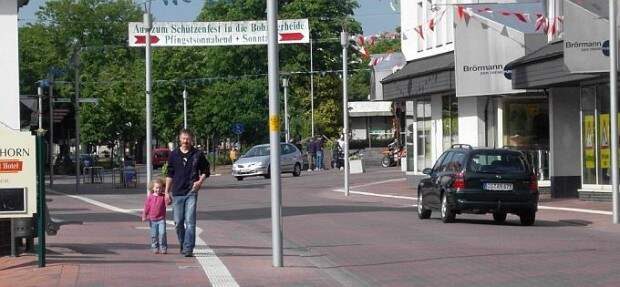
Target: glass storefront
{"x": 423, "y": 136}
{"x": 526, "y": 122}
{"x": 449, "y": 120}
{"x": 595, "y": 134}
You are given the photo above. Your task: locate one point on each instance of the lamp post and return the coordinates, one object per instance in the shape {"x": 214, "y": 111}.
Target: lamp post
{"x": 344, "y": 41}
{"x": 185, "y": 108}
{"x": 40, "y": 109}
{"x": 51, "y": 128}
{"x": 274, "y": 131}
{"x": 75, "y": 60}
{"x": 613, "y": 100}
{"x": 148, "y": 25}
{"x": 286, "y": 126}
{"x": 311, "y": 88}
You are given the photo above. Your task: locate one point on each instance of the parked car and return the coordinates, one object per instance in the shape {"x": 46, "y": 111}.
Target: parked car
{"x": 479, "y": 180}
{"x": 160, "y": 157}
{"x": 256, "y": 161}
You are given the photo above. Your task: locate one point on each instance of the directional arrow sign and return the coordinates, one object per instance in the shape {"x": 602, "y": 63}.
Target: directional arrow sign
{"x": 141, "y": 39}
{"x": 169, "y": 34}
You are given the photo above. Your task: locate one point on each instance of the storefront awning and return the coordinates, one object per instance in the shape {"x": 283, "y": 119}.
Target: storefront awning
{"x": 421, "y": 77}
{"x": 370, "y": 109}
{"x": 544, "y": 68}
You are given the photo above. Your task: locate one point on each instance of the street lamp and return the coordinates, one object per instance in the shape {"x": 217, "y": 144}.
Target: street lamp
{"x": 40, "y": 113}
{"x": 344, "y": 41}
{"x": 286, "y": 126}
{"x": 148, "y": 25}
{"x": 613, "y": 89}
{"x": 75, "y": 61}
{"x": 184, "y": 108}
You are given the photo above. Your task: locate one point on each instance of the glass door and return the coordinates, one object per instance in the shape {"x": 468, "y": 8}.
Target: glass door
{"x": 423, "y": 136}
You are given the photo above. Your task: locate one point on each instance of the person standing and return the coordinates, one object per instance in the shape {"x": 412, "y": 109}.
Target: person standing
{"x": 319, "y": 152}
{"x": 311, "y": 153}
{"x": 187, "y": 170}
{"x": 155, "y": 213}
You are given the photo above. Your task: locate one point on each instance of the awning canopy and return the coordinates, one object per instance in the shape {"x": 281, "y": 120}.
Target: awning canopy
{"x": 370, "y": 109}
{"x": 421, "y": 77}
{"x": 544, "y": 68}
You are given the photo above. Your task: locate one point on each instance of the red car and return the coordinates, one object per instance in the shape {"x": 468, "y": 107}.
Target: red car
{"x": 160, "y": 157}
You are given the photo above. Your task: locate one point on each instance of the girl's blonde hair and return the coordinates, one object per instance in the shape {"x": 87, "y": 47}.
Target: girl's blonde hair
{"x": 157, "y": 180}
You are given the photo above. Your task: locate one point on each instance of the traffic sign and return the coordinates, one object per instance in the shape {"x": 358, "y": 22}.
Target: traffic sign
{"x": 238, "y": 128}
{"x": 169, "y": 34}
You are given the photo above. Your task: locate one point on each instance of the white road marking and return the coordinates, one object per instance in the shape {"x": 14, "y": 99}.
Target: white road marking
{"x": 379, "y": 182}
{"x": 213, "y": 267}
{"x": 543, "y": 207}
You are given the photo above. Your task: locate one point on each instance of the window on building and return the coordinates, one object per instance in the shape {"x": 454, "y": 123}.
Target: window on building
{"x": 423, "y": 122}
{"x": 449, "y": 120}
{"x": 595, "y": 134}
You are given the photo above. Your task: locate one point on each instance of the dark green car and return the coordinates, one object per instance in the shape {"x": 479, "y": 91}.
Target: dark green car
{"x": 480, "y": 181}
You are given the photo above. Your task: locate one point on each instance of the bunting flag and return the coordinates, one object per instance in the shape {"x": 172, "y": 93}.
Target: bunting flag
{"x": 542, "y": 24}
{"x": 431, "y": 24}
{"x": 554, "y": 28}
{"x": 521, "y": 17}
{"x": 419, "y": 31}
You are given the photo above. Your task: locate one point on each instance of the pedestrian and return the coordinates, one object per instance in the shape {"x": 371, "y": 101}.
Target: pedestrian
{"x": 155, "y": 213}
{"x": 311, "y": 153}
{"x": 187, "y": 170}
{"x": 319, "y": 152}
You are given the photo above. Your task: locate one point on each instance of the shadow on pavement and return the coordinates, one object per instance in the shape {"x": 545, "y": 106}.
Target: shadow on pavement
{"x": 265, "y": 212}
{"x": 513, "y": 222}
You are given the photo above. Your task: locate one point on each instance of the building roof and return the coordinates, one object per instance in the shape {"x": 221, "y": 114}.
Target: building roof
{"x": 370, "y": 109}
{"x": 437, "y": 63}
{"x": 549, "y": 51}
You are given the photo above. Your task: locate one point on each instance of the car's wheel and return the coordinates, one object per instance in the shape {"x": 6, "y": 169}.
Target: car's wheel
{"x": 268, "y": 175}
{"x": 239, "y": 178}
{"x": 297, "y": 170}
{"x": 447, "y": 214}
{"x": 527, "y": 217}
{"x": 385, "y": 162}
{"x": 499, "y": 217}
{"x": 423, "y": 213}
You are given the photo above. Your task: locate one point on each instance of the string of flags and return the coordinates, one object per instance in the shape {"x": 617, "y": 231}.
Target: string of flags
{"x": 543, "y": 23}
{"x": 362, "y": 43}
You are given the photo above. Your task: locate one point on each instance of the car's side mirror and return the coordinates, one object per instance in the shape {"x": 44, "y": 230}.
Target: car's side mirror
{"x": 427, "y": 171}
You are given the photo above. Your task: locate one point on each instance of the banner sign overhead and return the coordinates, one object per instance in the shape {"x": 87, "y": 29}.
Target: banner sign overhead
{"x": 169, "y": 34}
{"x": 482, "y": 50}
{"x": 586, "y": 38}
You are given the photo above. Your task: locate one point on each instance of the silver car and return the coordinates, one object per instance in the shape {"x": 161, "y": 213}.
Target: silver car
{"x": 256, "y": 161}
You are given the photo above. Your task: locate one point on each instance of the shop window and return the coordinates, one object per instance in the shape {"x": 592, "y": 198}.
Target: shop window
{"x": 449, "y": 120}
{"x": 423, "y": 140}
{"x": 588, "y": 134}
{"x": 595, "y": 135}
{"x": 526, "y": 123}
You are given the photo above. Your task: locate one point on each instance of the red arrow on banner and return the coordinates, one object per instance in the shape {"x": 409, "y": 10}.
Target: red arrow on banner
{"x": 291, "y": 36}
{"x": 142, "y": 39}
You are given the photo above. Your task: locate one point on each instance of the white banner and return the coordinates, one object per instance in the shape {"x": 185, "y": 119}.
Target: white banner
{"x": 586, "y": 37}
{"x": 482, "y": 50}
{"x": 169, "y": 34}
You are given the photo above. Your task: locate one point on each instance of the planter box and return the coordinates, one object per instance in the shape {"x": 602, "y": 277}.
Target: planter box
{"x": 356, "y": 166}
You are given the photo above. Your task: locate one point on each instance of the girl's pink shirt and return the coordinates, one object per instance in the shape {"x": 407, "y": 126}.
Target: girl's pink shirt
{"x": 154, "y": 207}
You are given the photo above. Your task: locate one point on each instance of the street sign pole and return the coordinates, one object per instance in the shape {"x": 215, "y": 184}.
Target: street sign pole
{"x": 40, "y": 113}
{"x": 344, "y": 41}
{"x": 311, "y": 87}
{"x": 286, "y": 126}
{"x": 77, "y": 120}
{"x": 148, "y": 25}
{"x": 274, "y": 131}
{"x": 185, "y": 108}
{"x": 51, "y": 143}
{"x": 613, "y": 82}
{"x": 40, "y": 199}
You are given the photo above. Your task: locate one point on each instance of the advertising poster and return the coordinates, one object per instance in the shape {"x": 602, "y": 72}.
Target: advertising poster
{"x": 604, "y": 140}
{"x": 588, "y": 132}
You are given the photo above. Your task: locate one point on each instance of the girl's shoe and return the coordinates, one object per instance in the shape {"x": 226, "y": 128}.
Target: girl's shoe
{"x": 155, "y": 251}
{"x": 163, "y": 251}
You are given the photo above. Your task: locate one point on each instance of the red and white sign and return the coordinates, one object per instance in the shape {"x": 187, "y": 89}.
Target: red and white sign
{"x": 11, "y": 166}
{"x": 170, "y": 34}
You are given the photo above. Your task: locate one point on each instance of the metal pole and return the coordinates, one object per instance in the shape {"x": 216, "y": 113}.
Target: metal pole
{"x": 40, "y": 113}
{"x": 51, "y": 143}
{"x": 311, "y": 87}
{"x": 185, "y": 108}
{"x": 274, "y": 130}
{"x": 77, "y": 124}
{"x": 148, "y": 25}
{"x": 286, "y": 126}
{"x": 41, "y": 199}
{"x": 344, "y": 41}
{"x": 613, "y": 87}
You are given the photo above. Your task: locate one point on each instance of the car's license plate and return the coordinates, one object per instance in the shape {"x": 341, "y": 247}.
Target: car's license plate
{"x": 498, "y": 186}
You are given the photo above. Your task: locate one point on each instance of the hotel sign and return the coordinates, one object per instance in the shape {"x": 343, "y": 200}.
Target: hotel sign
{"x": 18, "y": 178}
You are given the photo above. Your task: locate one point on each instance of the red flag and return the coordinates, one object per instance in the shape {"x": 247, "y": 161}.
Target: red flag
{"x": 431, "y": 24}
{"x": 553, "y": 28}
{"x": 460, "y": 12}
{"x": 541, "y": 23}
{"x": 420, "y": 32}
{"x": 487, "y": 10}
{"x": 359, "y": 40}
{"x": 520, "y": 17}
{"x": 506, "y": 13}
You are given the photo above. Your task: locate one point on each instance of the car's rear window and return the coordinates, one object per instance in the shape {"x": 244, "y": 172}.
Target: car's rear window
{"x": 497, "y": 162}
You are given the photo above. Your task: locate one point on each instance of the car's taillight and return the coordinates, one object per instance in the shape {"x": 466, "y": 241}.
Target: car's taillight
{"x": 459, "y": 181}
{"x": 533, "y": 183}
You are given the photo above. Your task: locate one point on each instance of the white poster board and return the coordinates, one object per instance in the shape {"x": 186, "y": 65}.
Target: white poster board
{"x": 18, "y": 171}
{"x": 171, "y": 34}
{"x": 482, "y": 50}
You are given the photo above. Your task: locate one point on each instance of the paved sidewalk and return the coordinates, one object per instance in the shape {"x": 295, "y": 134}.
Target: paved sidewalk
{"x": 109, "y": 249}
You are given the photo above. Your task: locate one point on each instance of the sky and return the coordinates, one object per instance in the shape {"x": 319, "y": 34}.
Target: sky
{"x": 375, "y": 15}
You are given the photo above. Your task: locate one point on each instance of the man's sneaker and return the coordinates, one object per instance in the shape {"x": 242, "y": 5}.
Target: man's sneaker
{"x": 188, "y": 254}
{"x": 163, "y": 251}
{"x": 154, "y": 250}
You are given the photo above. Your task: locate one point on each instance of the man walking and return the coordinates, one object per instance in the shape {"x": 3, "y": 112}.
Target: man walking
{"x": 187, "y": 170}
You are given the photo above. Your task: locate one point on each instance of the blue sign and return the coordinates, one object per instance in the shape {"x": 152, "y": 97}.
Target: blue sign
{"x": 238, "y": 128}
{"x": 606, "y": 48}
{"x": 508, "y": 73}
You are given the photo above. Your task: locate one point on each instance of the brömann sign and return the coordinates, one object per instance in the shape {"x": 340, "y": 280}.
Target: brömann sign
{"x": 170, "y": 34}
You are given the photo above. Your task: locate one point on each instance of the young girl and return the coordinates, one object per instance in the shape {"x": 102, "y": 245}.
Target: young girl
{"x": 155, "y": 213}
